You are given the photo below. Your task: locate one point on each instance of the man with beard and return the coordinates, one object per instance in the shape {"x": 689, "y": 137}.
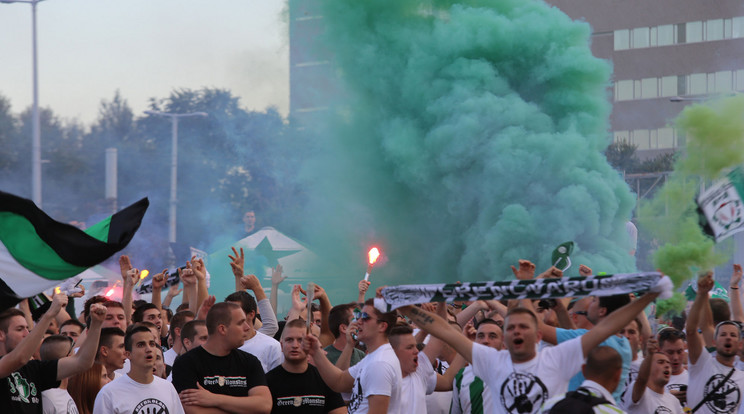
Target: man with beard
{"x": 672, "y": 344}
{"x": 714, "y": 382}
{"x": 295, "y": 385}
{"x": 648, "y": 393}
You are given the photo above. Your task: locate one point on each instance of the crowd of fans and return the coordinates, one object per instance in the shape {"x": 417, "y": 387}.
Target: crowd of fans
{"x": 567, "y": 355}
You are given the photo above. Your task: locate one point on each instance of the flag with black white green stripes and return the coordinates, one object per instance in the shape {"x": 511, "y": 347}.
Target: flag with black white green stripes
{"x": 38, "y": 252}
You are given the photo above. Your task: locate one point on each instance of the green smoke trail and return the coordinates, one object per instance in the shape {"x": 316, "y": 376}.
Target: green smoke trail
{"x": 714, "y": 144}
{"x": 470, "y": 137}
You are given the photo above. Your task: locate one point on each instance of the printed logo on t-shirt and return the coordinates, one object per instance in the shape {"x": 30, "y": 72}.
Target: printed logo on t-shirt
{"x": 219, "y": 380}
{"x": 523, "y": 393}
{"x": 301, "y": 400}
{"x": 726, "y": 398}
{"x": 356, "y": 397}
{"x": 26, "y": 391}
{"x": 150, "y": 406}
{"x": 662, "y": 410}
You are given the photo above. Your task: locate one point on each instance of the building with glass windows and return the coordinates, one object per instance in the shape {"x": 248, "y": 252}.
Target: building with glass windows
{"x": 666, "y": 54}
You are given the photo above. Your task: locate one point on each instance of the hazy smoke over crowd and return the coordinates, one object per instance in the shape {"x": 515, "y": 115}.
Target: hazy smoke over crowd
{"x": 714, "y": 141}
{"x": 472, "y": 137}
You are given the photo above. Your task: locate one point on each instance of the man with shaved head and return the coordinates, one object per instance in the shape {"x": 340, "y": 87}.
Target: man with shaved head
{"x": 602, "y": 372}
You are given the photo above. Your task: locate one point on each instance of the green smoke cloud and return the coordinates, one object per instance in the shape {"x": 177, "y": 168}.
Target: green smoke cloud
{"x": 714, "y": 134}
{"x": 470, "y": 136}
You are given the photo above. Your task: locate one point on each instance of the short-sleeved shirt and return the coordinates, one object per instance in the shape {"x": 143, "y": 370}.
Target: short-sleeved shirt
{"x": 528, "y": 384}
{"x": 618, "y": 343}
{"x": 58, "y": 401}
{"x": 20, "y": 392}
{"x": 705, "y": 375}
{"x": 267, "y": 349}
{"x": 233, "y": 374}
{"x": 304, "y": 393}
{"x": 333, "y": 354}
{"x": 377, "y": 374}
{"x": 417, "y": 385}
{"x": 651, "y": 402}
{"x": 127, "y": 396}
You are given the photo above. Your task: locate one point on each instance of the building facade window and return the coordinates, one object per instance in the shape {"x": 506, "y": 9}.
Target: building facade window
{"x": 687, "y": 32}
{"x": 721, "y": 82}
{"x": 648, "y": 139}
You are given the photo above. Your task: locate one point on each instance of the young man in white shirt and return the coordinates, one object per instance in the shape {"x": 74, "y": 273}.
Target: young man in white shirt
{"x": 139, "y": 391}
{"x": 376, "y": 380}
{"x": 714, "y": 382}
{"x": 526, "y": 378}
{"x": 648, "y": 392}
{"x": 672, "y": 344}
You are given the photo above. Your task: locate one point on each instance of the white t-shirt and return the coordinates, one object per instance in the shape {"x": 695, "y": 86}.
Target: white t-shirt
{"x": 57, "y": 401}
{"x": 266, "y": 349}
{"x": 651, "y": 402}
{"x": 635, "y": 366}
{"x": 126, "y": 396}
{"x": 677, "y": 381}
{"x": 417, "y": 385}
{"x": 529, "y": 384}
{"x": 377, "y": 374}
{"x": 169, "y": 356}
{"x": 705, "y": 375}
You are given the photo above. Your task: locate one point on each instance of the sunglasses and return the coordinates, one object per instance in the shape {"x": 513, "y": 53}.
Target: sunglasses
{"x": 670, "y": 333}
{"x": 364, "y": 317}
{"x": 582, "y": 313}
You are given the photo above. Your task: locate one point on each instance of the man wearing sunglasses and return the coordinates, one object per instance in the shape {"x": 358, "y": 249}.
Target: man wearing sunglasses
{"x": 376, "y": 380}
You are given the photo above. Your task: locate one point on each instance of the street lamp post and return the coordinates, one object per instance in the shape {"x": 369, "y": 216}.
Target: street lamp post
{"x": 35, "y": 121}
{"x": 174, "y": 166}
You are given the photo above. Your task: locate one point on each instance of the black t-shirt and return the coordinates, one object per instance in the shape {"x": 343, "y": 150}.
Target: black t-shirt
{"x": 301, "y": 393}
{"x": 20, "y": 392}
{"x": 234, "y": 374}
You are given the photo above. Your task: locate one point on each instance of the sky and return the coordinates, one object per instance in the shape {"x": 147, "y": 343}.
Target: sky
{"x": 88, "y": 49}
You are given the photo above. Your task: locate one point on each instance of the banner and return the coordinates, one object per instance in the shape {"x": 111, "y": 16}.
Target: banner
{"x": 394, "y": 297}
{"x": 721, "y": 208}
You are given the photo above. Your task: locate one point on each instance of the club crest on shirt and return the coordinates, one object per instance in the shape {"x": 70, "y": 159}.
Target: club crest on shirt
{"x": 150, "y": 405}
{"x": 662, "y": 410}
{"x": 356, "y": 397}
{"x": 726, "y": 398}
{"x": 523, "y": 393}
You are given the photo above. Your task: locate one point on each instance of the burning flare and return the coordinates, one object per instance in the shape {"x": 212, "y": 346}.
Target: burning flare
{"x": 373, "y": 254}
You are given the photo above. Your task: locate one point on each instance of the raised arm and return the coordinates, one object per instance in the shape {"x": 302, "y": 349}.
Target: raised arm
{"x": 338, "y": 380}
{"x": 644, "y": 371}
{"x": 363, "y": 286}
{"x": 326, "y": 337}
{"x": 129, "y": 277}
{"x": 189, "y": 288}
{"x": 614, "y": 322}
{"x": 197, "y": 265}
{"x": 22, "y": 353}
{"x": 237, "y": 263}
{"x": 438, "y": 327}
{"x": 158, "y": 282}
{"x": 736, "y": 308}
{"x": 83, "y": 359}
{"x": 277, "y": 277}
{"x": 694, "y": 339}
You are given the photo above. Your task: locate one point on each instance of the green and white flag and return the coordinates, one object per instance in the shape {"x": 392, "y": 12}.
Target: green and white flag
{"x": 394, "y": 297}
{"x": 38, "y": 253}
{"x": 721, "y": 208}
